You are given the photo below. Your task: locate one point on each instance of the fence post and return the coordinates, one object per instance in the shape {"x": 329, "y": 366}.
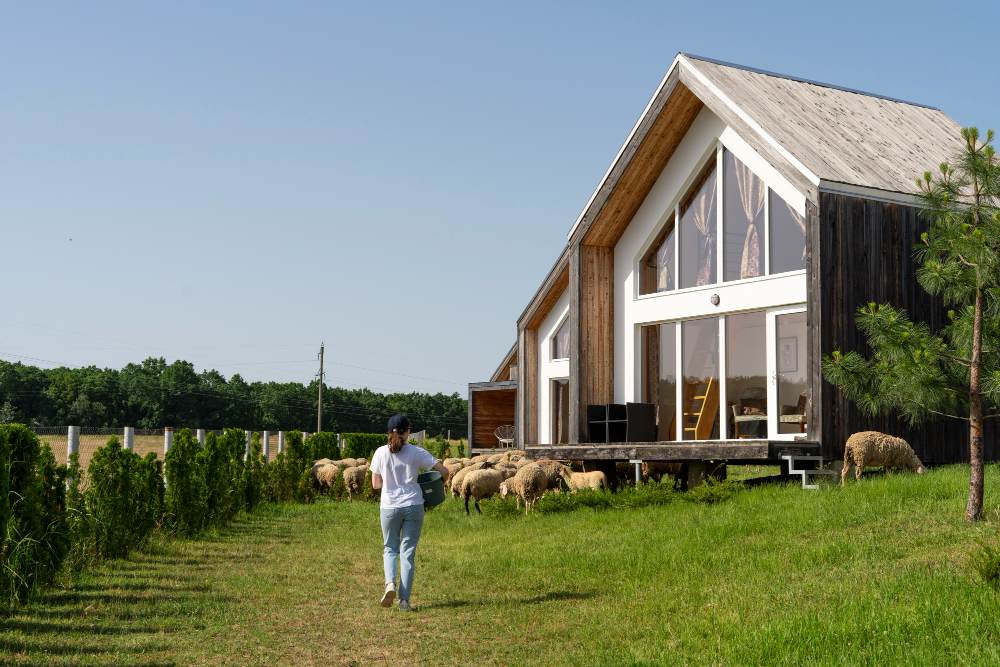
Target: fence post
{"x": 340, "y": 445}
{"x": 201, "y": 436}
{"x": 246, "y": 452}
{"x": 72, "y": 441}
{"x": 265, "y": 444}
{"x": 128, "y": 435}
{"x": 168, "y": 439}
{"x": 281, "y": 442}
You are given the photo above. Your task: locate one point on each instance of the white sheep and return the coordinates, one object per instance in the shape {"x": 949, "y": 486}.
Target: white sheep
{"x": 456, "y": 479}
{"x": 528, "y": 485}
{"x": 354, "y": 480}
{"x": 324, "y": 475}
{"x": 871, "y": 448}
{"x": 481, "y": 484}
{"x": 555, "y": 472}
{"x": 588, "y": 480}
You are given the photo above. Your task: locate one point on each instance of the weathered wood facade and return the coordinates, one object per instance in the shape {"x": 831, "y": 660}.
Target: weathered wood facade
{"x": 867, "y": 256}
{"x": 491, "y": 404}
{"x": 844, "y": 160}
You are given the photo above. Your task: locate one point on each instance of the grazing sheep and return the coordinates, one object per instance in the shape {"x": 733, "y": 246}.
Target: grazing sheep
{"x": 479, "y": 458}
{"x": 456, "y": 481}
{"x": 481, "y": 484}
{"x": 326, "y": 475}
{"x": 354, "y": 480}
{"x": 588, "y": 480}
{"x": 315, "y": 473}
{"x": 449, "y": 461}
{"x": 528, "y": 485}
{"x": 871, "y": 448}
{"x": 322, "y": 461}
{"x": 348, "y": 463}
{"x": 555, "y": 472}
{"x": 453, "y": 468}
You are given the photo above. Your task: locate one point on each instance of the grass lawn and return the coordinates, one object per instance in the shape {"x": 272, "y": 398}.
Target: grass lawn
{"x": 877, "y": 573}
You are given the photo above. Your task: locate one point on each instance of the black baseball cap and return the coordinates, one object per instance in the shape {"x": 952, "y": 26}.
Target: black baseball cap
{"x": 399, "y": 423}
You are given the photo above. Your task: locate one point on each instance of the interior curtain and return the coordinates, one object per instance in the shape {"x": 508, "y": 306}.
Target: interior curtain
{"x": 752, "y": 194}
{"x": 704, "y": 221}
{"x": 800, "y": 221}
{"x": 665, "y": 264}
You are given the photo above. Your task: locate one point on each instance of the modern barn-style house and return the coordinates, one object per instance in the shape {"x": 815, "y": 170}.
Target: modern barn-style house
{"x": 744, "y": 220}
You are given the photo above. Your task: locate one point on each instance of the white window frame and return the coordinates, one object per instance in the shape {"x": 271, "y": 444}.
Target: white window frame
{"x": 675, "y": 209}
{"x": 771, "y": 336}
{"x": 552, "y": 340}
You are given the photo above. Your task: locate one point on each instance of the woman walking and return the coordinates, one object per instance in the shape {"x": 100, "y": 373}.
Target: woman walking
{"x": 395, "y": 467}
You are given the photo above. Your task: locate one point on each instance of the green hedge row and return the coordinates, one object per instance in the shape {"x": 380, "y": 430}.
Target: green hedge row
{"x": 52, "y": 520}
{"x": 361, "y": 445}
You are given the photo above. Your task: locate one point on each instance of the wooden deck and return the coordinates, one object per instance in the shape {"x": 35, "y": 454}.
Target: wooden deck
{"x": 734, "y": 451}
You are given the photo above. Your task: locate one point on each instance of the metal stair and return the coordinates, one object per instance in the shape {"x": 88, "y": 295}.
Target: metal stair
{"x": 792, "y": 459}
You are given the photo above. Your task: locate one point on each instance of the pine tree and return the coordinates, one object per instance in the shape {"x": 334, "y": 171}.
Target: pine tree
{"x": 952, "y": 373}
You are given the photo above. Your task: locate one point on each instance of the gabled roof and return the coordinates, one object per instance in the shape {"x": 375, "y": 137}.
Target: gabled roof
{"x": 840, "y": 135}
{"x": 814, "y": 134}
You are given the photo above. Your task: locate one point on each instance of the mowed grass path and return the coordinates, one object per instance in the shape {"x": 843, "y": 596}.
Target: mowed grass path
{"x": 877, "y": 573}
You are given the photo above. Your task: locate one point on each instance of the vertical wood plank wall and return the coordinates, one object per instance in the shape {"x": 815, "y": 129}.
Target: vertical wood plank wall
{"x": 489, "y": 407}
{"x": 527, "y": 388}
{"x": 866, "y": 250}
{"x": 592, "y": 358}
{"x": 814, "y": 322}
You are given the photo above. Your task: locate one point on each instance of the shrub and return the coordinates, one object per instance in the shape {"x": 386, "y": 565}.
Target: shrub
{"x": 712, "y": 492}
{"x": 320, "y": 445}
{"x": 187, "y": 488}
{"x": 150, "y": 500}
{"x": 362, "y": 445}
{"x": 113, "y": 494}
{"x": 222, "y": 461}
{"x": 35, "y": 536}
{"x": 83, "y": 549}
{"x": 458, "y": 451}
{"x": 338, "y": 491}
{"x": 254, "y": 479}
{"x": 439, "y": 447}
{"x": 987, "y": 563}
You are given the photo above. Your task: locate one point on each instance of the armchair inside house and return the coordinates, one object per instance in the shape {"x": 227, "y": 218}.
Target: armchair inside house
{"x": 794, "y": 418}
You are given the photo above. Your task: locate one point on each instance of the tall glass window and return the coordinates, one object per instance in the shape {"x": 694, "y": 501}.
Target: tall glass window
{"x": 700, "y": 368}
{"x": 560, "y": 411}
{"x": 659, "y": 343}
{"x": 790, "y": 364}
{"x": 560, "y": 341}
{"x": 698, "y": 231}
{"x": 743, "y": 220}
{"x": 788, "y": 236}
{"x": 659, "y": 263}
{"x": 746, "y": 375}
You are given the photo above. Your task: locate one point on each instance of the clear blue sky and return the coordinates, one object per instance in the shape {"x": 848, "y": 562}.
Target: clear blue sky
{"x": 244, "y": 180}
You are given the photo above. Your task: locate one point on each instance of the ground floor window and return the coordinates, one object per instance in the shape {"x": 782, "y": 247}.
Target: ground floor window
{"x": 560, "y": 411}
{"x": 742, "y": 375}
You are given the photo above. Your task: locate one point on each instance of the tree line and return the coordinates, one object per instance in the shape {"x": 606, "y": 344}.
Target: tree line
{"x": 154, "y": 394}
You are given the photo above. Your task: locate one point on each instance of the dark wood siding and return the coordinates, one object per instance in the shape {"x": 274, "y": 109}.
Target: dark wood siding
{"x": 867, "y": 256}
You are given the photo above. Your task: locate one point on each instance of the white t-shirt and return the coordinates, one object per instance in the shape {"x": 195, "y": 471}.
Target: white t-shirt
{"x": 399, "y": 474}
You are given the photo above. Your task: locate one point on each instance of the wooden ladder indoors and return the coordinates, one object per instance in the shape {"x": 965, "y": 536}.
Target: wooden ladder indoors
{"x": 704, "y": 408}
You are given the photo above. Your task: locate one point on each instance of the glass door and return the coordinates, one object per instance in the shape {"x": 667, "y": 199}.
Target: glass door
{"x": 788, "y": 386}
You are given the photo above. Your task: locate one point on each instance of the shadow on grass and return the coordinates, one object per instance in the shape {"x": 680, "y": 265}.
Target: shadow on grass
{"x": 551, "y": 596}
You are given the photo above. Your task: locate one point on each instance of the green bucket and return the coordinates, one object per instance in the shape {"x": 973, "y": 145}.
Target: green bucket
{"x": 432, "y": 486}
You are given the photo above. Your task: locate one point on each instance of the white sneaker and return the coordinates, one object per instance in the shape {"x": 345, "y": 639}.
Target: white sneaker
{"x": 405, "y": 606}
{"x": 389, "y": 595}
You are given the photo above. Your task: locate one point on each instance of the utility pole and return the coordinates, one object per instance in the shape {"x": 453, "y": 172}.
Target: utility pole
{"x": 319, "y": 401}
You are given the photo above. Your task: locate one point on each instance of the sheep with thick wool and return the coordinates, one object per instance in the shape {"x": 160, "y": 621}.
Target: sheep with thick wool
{"x": 556, "y": 473}
{"x": 872, "y": 448}
{"x": 587, "y": 480}
{"x": 456, "y": 479}
{"x": 324, "y": 475}
{"x": 354, "y": 480}
{"x": 528, "y": 485}
{"x": 481, "y": 484}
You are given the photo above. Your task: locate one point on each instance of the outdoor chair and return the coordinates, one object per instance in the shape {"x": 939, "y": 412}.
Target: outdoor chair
{"x": 505, "y": 436}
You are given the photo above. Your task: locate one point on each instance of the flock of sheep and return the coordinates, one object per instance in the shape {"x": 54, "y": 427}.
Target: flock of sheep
{"x": 513, "y": 472}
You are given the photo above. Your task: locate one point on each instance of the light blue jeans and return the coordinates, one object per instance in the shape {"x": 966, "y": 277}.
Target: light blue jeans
{"x": 400, "y": 534}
